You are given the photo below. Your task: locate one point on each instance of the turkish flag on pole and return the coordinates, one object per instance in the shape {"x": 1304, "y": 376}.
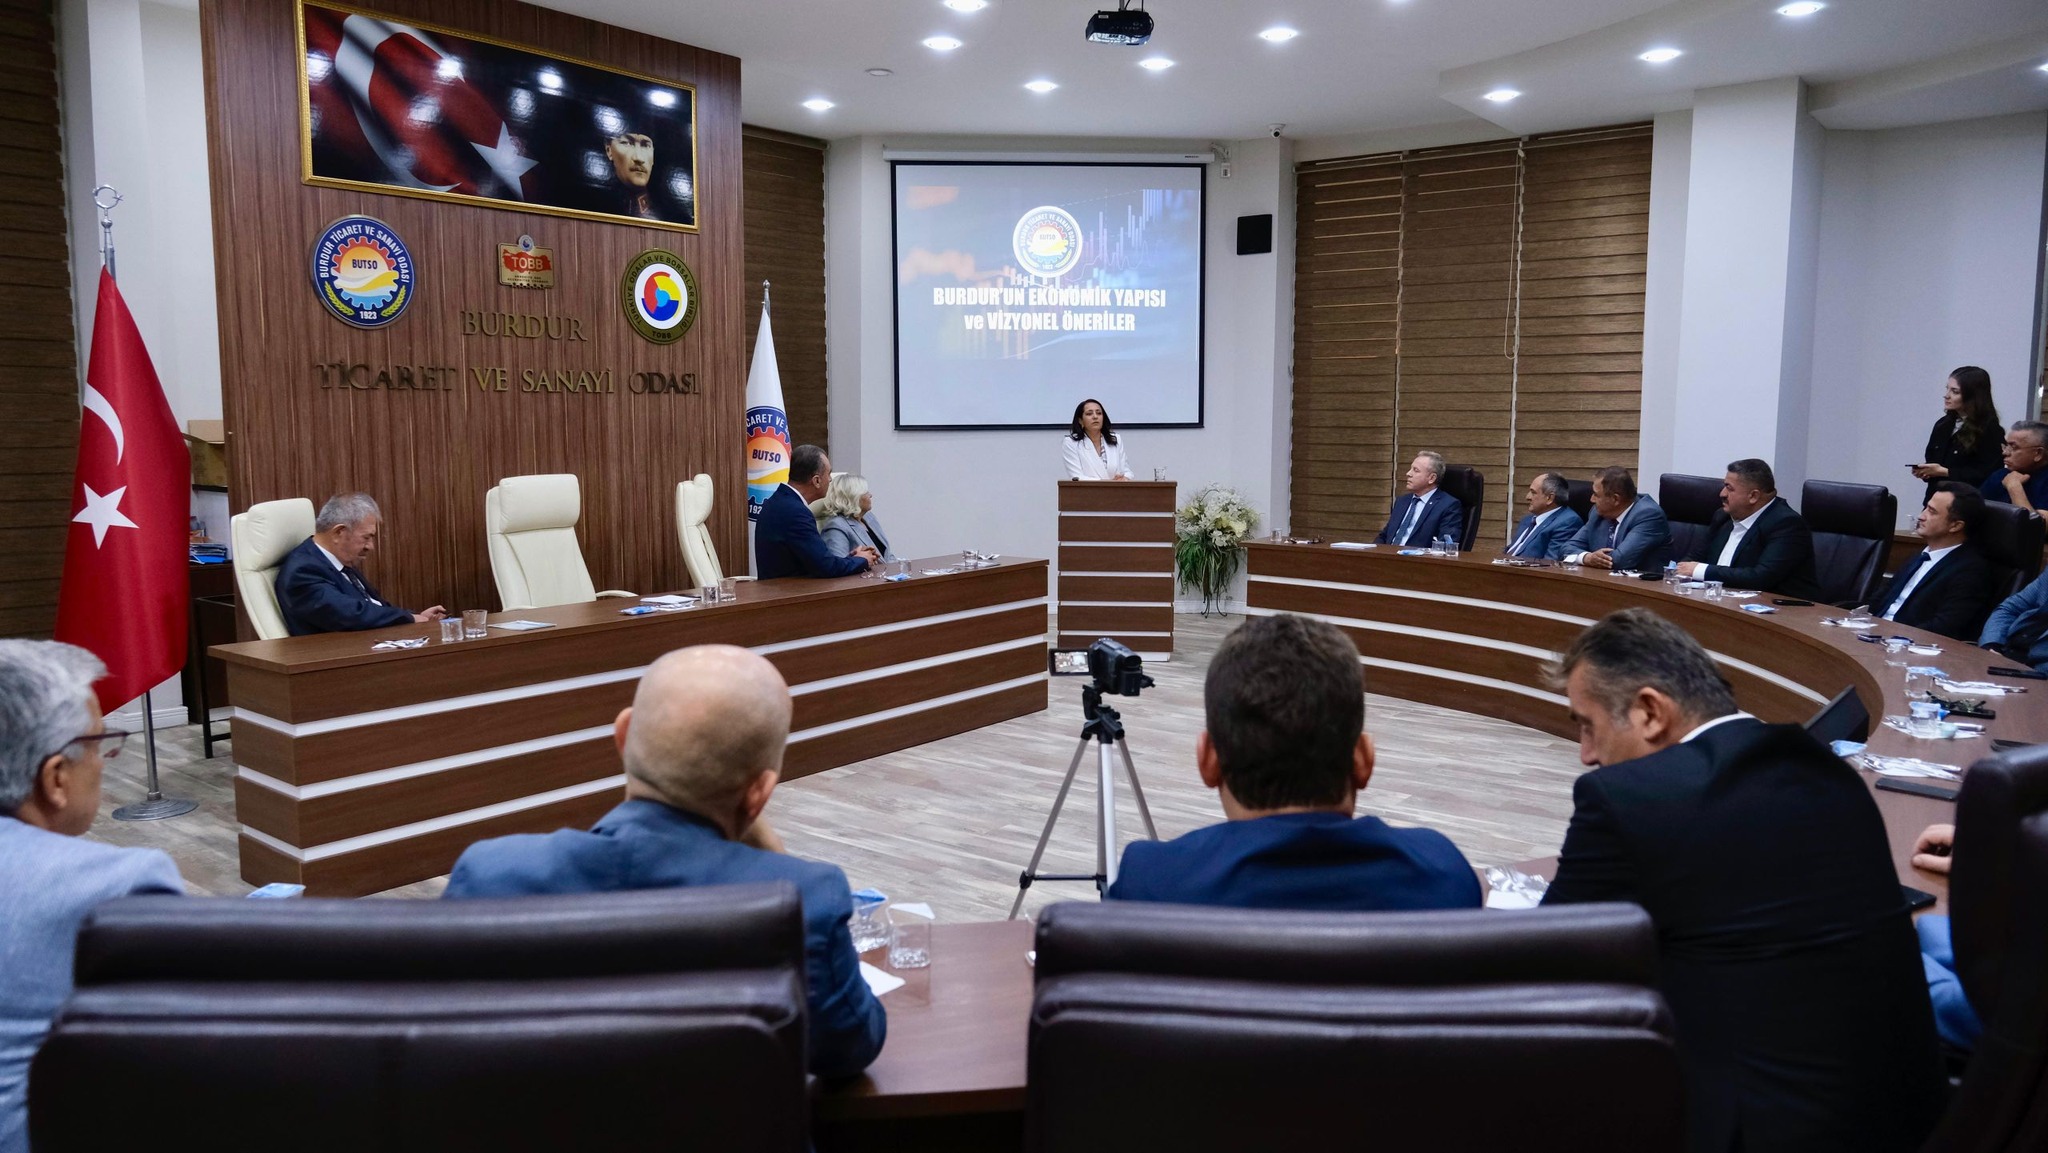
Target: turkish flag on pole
{"x": 125, "y": 583}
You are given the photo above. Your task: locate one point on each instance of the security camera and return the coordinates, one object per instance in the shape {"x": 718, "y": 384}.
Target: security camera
{"x": 1276, "y": 129}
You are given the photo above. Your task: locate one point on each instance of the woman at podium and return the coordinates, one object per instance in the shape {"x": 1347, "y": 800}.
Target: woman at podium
{"x": 1093, "y": 450}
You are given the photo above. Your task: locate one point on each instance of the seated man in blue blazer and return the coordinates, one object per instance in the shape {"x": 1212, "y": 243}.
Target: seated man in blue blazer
{"x": 1628, "y": 530}
{"x": 1287, "y": 750}
{"x": 1551, "y": 523}
{"x": 1946, "y": 586}
{"x": 786, "y": 540}
{"x": 1756, "y": 541}
{"x": 702, "y": 745}
{"x": 318, "y": 587}
{"x": 1425, "y": 512}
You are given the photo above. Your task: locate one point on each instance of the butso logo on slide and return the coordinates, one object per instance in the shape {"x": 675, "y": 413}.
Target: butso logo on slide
{"x": 659, "y": 296}
{"x": 1047, "y": 241}
{"x": 362, "y": 271}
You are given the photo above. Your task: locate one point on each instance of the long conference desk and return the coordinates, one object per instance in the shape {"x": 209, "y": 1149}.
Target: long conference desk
{"x": 1458, "y": 632}
{"x": 358, "y": 770}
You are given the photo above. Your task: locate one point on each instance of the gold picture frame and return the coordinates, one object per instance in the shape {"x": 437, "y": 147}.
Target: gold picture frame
{"x": 512, "y": 158}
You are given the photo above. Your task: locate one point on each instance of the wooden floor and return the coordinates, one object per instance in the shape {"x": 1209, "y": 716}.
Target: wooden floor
{"x": 953, "y": 822}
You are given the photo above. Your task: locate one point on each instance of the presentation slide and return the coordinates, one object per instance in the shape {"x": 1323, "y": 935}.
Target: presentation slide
{"x": 1022, "y": 289}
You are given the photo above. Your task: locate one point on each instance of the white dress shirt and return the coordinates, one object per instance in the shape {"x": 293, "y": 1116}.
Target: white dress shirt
{"x": 1085, "y": 463}
{"x": 1934, "y": 556}
{"x": 1737, "y": 715}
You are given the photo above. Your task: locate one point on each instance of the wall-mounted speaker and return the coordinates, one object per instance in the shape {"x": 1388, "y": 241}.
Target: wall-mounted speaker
{"x": 1254, "y": 234}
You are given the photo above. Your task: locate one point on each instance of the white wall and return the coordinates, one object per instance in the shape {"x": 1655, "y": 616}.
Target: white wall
{"x": 1664, "y": 294}
{"x": 133, "y": 107}
{"x": 1744, "y": 319}
{"x": 1929, "y": 249}
{"x": 943, "y": 491}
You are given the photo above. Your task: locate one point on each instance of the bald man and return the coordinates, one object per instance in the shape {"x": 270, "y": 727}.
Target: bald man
{"x": 702, "y": 747}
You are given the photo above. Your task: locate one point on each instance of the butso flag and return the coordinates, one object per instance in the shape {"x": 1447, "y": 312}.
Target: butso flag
{"x": 125, "y": 588}
{"x": 767, "y": 424}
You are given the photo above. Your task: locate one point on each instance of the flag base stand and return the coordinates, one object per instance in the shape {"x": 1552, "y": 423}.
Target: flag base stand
{"x": 154, "y": 806}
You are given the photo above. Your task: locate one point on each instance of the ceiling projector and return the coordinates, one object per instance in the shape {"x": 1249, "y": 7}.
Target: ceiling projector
{"x": 1122, "y": 26}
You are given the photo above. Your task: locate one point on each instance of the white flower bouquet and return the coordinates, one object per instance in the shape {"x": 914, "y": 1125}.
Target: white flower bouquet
{"x": 1209, "y": 535}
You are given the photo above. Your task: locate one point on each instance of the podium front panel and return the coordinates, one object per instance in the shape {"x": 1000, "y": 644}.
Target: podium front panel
{"x": 1115, "y": 565}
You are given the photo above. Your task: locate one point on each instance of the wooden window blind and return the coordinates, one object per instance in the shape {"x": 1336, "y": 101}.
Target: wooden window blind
{"x": 783, "y": 184}
{"x": 38, "y": 356}
{"x": 1483, "y": 301}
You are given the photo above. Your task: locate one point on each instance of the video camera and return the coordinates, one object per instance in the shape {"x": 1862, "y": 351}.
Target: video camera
{"x": 1117, "y": 670}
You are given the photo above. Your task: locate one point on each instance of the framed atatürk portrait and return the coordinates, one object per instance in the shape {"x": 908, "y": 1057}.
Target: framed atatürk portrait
{"x": 412, "y": 109}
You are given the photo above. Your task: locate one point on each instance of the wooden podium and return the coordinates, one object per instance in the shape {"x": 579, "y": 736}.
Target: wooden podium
{"x": 1116, "y": 564}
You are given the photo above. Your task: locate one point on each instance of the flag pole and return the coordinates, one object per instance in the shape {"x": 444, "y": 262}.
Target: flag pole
{"x": 154, "y": 806}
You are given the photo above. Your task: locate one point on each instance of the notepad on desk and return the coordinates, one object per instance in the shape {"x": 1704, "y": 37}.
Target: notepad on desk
{"x": 1350, "y": 544}
{"x": 522, "y": 626}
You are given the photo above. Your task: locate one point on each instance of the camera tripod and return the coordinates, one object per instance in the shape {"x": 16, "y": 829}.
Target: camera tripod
{"x": 1105, "y": 728}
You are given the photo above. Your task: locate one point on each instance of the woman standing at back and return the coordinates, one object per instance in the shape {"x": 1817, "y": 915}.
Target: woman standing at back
{"x": 1964, "y": 446}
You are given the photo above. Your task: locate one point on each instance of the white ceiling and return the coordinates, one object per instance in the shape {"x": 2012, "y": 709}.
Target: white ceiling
{"x": 1358, "y": 67}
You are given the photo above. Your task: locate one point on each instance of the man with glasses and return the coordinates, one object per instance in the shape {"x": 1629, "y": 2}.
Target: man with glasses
{"x": 53, "y": 748}
{"x": 2024, "y": 479}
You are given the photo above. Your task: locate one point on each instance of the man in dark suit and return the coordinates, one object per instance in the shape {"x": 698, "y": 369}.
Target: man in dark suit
{"x": 1287, "y": 750}
{"x": 1946, "y": 586}
{"x": 1551, "y": 523}
{"x": 318, "y": 587}
{"x": 2024, "y": 479}
{"x": 1628, "y": 531}
{"x": 1786, "y": 952}
{"x": 702, "y": 746}
{"x": 1425, "y": 512}
{"x": 786, "y": 540}
{"x": 1756, "y": 541}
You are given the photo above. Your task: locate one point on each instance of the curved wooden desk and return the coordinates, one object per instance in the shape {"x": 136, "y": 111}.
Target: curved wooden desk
{"x": 1469, "y": 634}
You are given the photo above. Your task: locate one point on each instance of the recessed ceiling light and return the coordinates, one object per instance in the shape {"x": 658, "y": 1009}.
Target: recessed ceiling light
{"x": 1155, "y": 63}
{"x": 941, "y": 43}
{"x": 1040, "y": 86}
{"x": 819, "y": 104}
{"x": 966, "y": 5}
{"x": 881, "y": 72}
{"x": 1660, "y": 55}
{"x": 1801, "y": 8}
{"x": 1279, "y": 34}
{"x": 1502, "y": 95}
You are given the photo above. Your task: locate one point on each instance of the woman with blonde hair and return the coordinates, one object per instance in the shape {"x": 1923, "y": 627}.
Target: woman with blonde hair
{"x": 845, "y": 518}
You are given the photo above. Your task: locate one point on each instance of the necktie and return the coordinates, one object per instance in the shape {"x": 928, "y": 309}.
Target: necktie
{"x": 1905, "y": 579}
{"x": 1614, "y": 542}
{"x": 1408, "y": 522}
{"x": 1516, "y": 548}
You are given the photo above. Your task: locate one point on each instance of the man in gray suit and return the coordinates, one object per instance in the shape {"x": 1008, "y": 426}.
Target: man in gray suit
{"x": 1627, "y": 530}
{"x": 53, "y": 747}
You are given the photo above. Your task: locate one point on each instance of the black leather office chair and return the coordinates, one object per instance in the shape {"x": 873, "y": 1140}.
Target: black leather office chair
{"x": 1998, "y": 900}
{"x": 1197, "y": 1029}
{"x": 1579, "y": 495}
{"x": 1468, "y": 484}
{"x": 2011, "y": 538}
{"x": 639, "y": 1020}
{"x": 1852, "y": 537}
{"x": 1689, "y": 503}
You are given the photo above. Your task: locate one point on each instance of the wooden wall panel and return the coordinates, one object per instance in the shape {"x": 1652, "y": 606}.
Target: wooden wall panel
{"x": 38, "y": 355}
{"x": 1484, "y": 301}
{"x": 429, "y": 456}
{"x": 785, "y": 225}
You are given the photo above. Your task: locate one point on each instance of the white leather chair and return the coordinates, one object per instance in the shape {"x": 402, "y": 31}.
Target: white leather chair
{"x": 693, "y": 509}
{"x": 260, "y": 538}
{"x": 530, "y": 523}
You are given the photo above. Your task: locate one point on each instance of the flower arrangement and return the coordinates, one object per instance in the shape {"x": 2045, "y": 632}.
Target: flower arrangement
{"x": 1209, "y": 535}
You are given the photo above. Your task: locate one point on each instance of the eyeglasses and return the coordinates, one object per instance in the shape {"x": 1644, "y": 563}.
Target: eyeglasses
{"x": 110, "y": 742}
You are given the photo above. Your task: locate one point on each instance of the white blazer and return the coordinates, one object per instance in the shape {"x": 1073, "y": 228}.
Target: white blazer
{"x": 1084, "y": 464}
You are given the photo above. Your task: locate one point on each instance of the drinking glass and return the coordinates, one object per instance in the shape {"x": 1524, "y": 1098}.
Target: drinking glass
{"x": 1919, "y": 681}
{"x": 910, "y": 941}
{"x": 451, "y": 630}
{"x": 708, "y": 595}
{"x": 1713, "y": 590}
{"x": 1158, "y": 474}
{"x": 473, "y": 623}
{"x": 728, "y": 589}
{"x": 870, "y": 922}
{"x": 1926, "y": 720}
